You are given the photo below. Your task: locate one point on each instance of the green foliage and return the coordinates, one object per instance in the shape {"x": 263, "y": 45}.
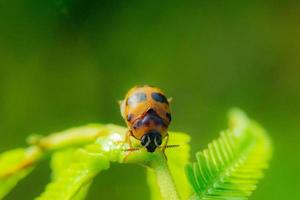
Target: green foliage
{"x": 60, "y": 161}
{"x": 231, "y": 165}
{"x": 229, "y": 168}
{"x": 72, "y": 179}
{"x": 14, "y": 166}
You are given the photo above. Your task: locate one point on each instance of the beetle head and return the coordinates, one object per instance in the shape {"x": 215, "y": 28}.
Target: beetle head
{"x": 151, "y": 140}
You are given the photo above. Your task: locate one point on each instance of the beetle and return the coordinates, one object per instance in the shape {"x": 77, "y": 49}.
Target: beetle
{"x": 146, "y": 111}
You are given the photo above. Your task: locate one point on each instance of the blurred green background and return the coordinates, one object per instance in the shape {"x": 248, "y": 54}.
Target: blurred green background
{"x": 65, "y": 63}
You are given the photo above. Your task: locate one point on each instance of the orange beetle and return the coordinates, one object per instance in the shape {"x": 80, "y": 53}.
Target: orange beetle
{"x": 147, "y": 114}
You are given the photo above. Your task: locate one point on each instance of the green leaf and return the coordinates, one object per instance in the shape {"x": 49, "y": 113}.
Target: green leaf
{"x": 76, "y": 136}
{"x": 177, "y": 159}
{"x": 14, "y": 166}
{"x": 228, "y": 169}
{"x": 231, "y": 165}
{"x": 72, "y": 177}
{"x": 61, "y": 160}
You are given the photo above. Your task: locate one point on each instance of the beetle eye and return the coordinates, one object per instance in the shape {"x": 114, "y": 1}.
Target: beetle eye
{"x": 145, "y": 140}
{"x": 157, "y": 141}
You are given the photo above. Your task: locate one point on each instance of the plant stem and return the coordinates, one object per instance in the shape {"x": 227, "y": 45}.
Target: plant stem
{"x": 33, "y": 155}
{"x": 164, "y": 178}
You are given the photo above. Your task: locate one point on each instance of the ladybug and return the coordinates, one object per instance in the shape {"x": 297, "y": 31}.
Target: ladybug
{"x": 146, "y": 111}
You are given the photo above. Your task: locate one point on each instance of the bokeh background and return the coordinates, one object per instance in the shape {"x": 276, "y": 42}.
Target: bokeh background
{"x": 65, "y": 63}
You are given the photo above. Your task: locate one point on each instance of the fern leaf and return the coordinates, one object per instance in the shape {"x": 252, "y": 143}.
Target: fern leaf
{"x": 72, "y": 179}
{"x": 14, "y": 166}
{"x": 231, "y": 165}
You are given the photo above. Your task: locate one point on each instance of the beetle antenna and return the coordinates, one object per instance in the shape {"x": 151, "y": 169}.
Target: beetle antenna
{"x": 166, "y": 146}
{"x": 170, "y": 146}
{"x": 133, "y": 149}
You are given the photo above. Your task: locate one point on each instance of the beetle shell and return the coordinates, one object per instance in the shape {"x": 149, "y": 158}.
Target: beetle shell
{"x": 146, "y": 108}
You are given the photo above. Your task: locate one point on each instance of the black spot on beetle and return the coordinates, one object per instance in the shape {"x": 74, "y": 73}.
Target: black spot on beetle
{"x": 137, "y": 124}
{"x": 151, "y": 111}
{"x": 159, "y": 97}
{"x": 168, "y": 115}
{"x": 129, "y": 117}
{"x": 136, "y": 98}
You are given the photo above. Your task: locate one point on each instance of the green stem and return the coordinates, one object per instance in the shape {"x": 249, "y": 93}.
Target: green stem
{"x": 32, "y": 155}
{"x": 56, "y": 141}
{"x": 71, "y": 137}
{"x": 164, "y": 178}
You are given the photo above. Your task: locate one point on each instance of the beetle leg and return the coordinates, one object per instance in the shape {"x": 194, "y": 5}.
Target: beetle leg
{"x": 127, "y": 138}
{"x": 128, "y": 141}
{"x": 165, "y": 145}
